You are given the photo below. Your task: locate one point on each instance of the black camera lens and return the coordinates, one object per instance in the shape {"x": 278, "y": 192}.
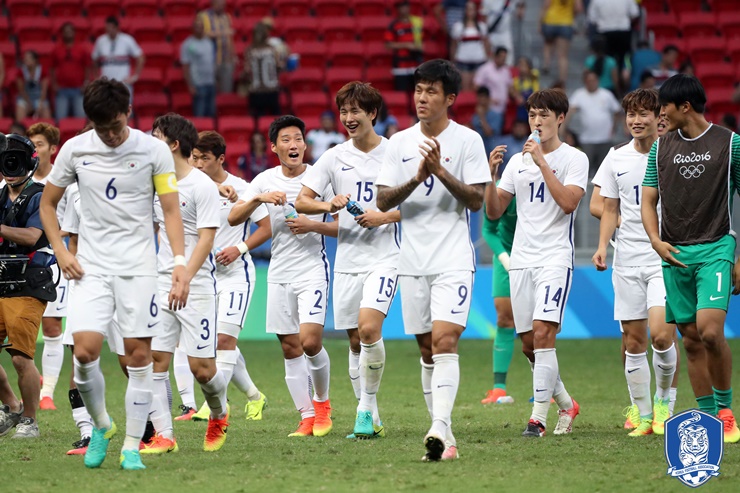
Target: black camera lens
{"x": 11, "y": 164}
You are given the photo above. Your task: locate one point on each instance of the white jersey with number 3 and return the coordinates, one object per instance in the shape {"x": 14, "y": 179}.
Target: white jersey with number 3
{"x": 435, "y": 225}
{"x": 116, "y": 193}
{"x": 544, "y": 233}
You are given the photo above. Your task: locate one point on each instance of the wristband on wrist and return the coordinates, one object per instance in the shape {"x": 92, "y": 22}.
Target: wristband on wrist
{"x": 242, "y": 247}
{"x": 180, "y": 260}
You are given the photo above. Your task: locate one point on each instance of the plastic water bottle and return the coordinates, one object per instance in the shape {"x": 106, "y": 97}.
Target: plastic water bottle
{"x": 527, "y": 158}
{"x": 355, "y": 209}
{"x": 290, "y": 213}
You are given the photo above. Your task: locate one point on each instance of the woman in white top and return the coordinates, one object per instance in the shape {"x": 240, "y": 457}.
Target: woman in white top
{"x": 469, "y": 44}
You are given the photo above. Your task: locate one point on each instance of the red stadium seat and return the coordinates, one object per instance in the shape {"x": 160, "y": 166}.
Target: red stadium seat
{"x": 151, "y": 80}
{"x": 663, "y": 25}
{"x": 203, "y": 123}
{"x": 175, "y": 80}
{"x": 81, "y": 25}
{"x": 328, "y": 8}
{"x": 313, "y": 53}
{"x": 435, "y": 49}
{"x": 25, "y": 8}
{"x": 27, "y": 122}
{"x": 5, "y": 124}
{"x": 8, "y": 52}
{"x": 733, "y": 50}
{"x": 179, "y": 28}
{"x": 263, "y": 124}
{"x": 235, "y": 128}
{"x": 69, "y": 127}
{"x": 145, "y": 29}
{"x": 346, "y": 54}
{"x": 102, "y": 8}
{"x": 729, "y": 23}
{"x": 297, "y": 29}
{"x": 363, "y": 8}
{"x": 306, "y": 79}
{"x": 380, "y": 77}
{"x": 64, "y": 8}
{"x": 294, "y": 8}
{"x": 338, "y": 28}
{"x": 685, "y": 6}
{"x": 724, "y": 6}
{"x": 695, "y": 24}
{"x": 173, "y": 8}
{"x": 378, "y": 55}
{"x": 719, "y": 100}
{"x": 653, "y": 6}
{"x": 373, "y": 29}
{"x": 160, "y": 54}
{"x": 234, "y": 151}
{"x": 140, "y": 8}
{"x": 405, "y": 121}
{"x": 307, "y": 104}
{"x": 417, "y": 7}
{"x": 182, "y": 102}
{"x": 143, "y": 123}
{"x": 231, "y": 105}
{"x": 44, "y": 49}
{"x": 337, "y": 77}
{"x": 677, "y": 42}
{"x": 256, "y": 8}
{"x": 432, "y": 29}
{"x": 464, "y": 107}
{"x": 151, "y": 104}
{"x": 706, "y": 49}
{"x": 711, "y": 75}
{"x": 32, "y": 28}
{"x": 244, "y": 26}
{"x": 4, "y": 28}
{"x": 397, "y": 102}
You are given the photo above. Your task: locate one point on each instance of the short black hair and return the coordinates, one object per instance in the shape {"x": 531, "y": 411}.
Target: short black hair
{"x": 105, "y": 99}
{"x": 282, "y": 122}
{"x": 175, "y": 127}
{"x": 501, "y": 49}
{"x": 669, "y": 48}
{"x": 439, "y": 70}
{"x": 682, "y": 88}
{"x": 554, "y": 100}
{"x": 645, "y": 75}
{"x": 112, "y": 19}
{"x": 483, "y": 91}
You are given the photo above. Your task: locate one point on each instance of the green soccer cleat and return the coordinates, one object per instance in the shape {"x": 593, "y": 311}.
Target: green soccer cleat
{"x": 364, "y": 425}
{"x": 131, "y": 460}
{"x": 633, "y": 417}
{"x": 203, "y": 414}
{"x": 645, "y": 428}
{"x": 98, "y": 447}
{"x": 254, "y": 408}
{"x": 661, "y": 413}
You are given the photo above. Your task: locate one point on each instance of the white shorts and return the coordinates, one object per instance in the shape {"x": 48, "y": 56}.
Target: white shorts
{"x": 97, "y": 298}
{"x": 375, "y": 289}
{"x": 539, "y": 293}
{"x": 113, "y": 336}
{"x": 637, "y": 290}
{"x": 193, "y": 327}
{"x": 291, "y": 304}
{"x": 233, "y": 305}
{"x": 58, "y": 308}
{"x": 444, "y": 297}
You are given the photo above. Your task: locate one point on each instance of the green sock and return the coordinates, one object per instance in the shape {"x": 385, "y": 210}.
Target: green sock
{"x": 723, "y": 398}
{"x": 503, "y": 349}
{"x": 707, "y": 404}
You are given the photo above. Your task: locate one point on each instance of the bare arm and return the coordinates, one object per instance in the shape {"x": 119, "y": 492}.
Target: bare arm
{"x": 373, "y": 219}
{"x": 20, "y": 236}
{"x": 188, "y": 78}
{"x": 306, "y": 203}
{"x": 596, "y": 206}
{"x": 67, "y": 262}
{"x": 607, "y": 226}
{"x": 389, "y": 197}
{"x": 303, "y": 225}
{"x": 566, "y": 196}
{"x": 261, "y": 234}
{"x": 471, "y": 196}
{"x": 170, "y": 203}
{"x": 497, "y": 200}
{"x": 243, "y": 209}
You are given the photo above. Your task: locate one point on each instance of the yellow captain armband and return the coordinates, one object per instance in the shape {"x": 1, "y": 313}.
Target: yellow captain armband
{"x": 165, "y": 183}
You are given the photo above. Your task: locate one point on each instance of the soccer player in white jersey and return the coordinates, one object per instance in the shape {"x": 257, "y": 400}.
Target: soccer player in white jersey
{"x": 437, "y": 172}
{"x": 46, "y": 139}
{"x": 118, "y": 170}
{"x": 548, "y": 179}
{"x": 298, "y": 276}
{"x": 194, "y": 326}
{"x": 639, "y": 292}
{"x": 368, "y": 245}
{"x": 235, "y": 273}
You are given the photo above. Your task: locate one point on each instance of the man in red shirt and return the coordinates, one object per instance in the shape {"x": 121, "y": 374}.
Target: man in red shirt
{"x": 404, "y": 37}
{"x": 70, "y": 73}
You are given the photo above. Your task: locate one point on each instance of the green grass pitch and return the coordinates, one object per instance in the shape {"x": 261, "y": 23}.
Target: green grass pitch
{"x": 258, "y": 456}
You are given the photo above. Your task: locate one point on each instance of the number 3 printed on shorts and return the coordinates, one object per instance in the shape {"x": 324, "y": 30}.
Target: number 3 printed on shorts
{"x": 206, "y": 329}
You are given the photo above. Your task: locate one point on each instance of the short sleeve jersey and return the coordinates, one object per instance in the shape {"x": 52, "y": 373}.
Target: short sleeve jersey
{"x": 71, "y": 221}
{"x": 293, "y": 259}
{"x": 116, "y": 193}
{"x": 62, "y": 205}
{"x": 435, "y": 225}
{"x": 544, "y": 233}
{"x": 348, "y": 170}
{"x": 199, "y": 207}
{"x": 622, "y": 175}
{"x": 228, "y": 235}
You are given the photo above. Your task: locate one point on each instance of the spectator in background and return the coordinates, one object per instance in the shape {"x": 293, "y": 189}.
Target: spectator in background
{"x": 449, "y": 13}
{"x": 495, "y": 75}
{"x": 557, "y": 20}
{"x": 404, "y": 37}
{"x": 113, "y": 52}
{"x": 729, "y": 121}
{"x": 385, "y": 124}
{"x": 217, "y": 26}
{"x": 469, "y": 44}
{"x": 498, "y": 14}
{"x": 613, "y": 21}
{"x": 603, "y": 65}
{"x": 667, "y": 66}
{"x": 687, "y": 68}
{"x": 199, "y": 69}
{"x": 643, "y": 58}
{"x": 647, "y": 81}
{"x": 523, "y": 85}
{"x": 600, "y": 113}
{"x": 33, "y": 89}
{"x": 17, "y": 128}
{"x": 70, "y": 73}
{"x": 261, "y": 67}
{"x": 485, "y": 121}
{"x": 326, "y": 137}
{"x": 514, "y": 141}
{"x": 256, "y": 160}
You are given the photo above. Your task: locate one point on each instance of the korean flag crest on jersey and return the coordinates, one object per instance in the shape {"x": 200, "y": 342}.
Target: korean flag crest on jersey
{"x": 694, "y": 444}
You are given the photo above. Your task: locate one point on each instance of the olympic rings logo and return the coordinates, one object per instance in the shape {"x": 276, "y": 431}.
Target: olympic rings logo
{"x": 691, "y": 171}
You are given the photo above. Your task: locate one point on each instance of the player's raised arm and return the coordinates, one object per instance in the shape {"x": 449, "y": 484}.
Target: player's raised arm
{"x": 566, "y": 196}
{"x": 244, "y": 208}
{"x": 471, "y": 196}
{"x": 496, "y": 200}
{"x": 307, "y": 202}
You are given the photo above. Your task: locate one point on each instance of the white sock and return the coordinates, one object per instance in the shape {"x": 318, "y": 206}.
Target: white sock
{"x": 664, "y": 366}
{"x": 319, "y": 368}
{"x": 672, "y": 401}
{"x": 637, "y": 372}
{"x": 184, "y": 378}
{"x": 226, "y": 361}
{"x": 372, "y": 363}
{"x": 138, "y": 402}
{"x": 242, "y": 380}
{"x": 296, "y": 377}
{"x": 160, "y": 413}
{"x": 632, "y": 399}
{"x": 561, "y": 395}
{"x": 91, "y": 386}
{"x": 82, "y": 418}
{"x": 168, "y": 387}
{"x": 52, "y": 359}
{"x": 445, "y": 382}
{"x": 544, "y": 378}
{"x": 215, "y": 393}
{"x": 426, "y": 385}
{"x": 354, "y": 372}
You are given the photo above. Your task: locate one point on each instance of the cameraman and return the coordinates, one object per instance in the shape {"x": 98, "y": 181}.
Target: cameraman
{"x": 26, "y": 281}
